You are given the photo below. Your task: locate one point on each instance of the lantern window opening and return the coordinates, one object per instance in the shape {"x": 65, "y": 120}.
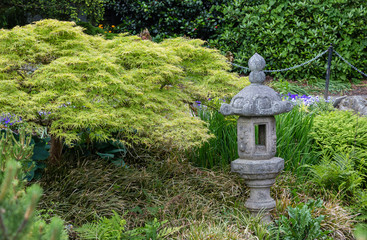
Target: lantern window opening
{"x": 260, "y": 137}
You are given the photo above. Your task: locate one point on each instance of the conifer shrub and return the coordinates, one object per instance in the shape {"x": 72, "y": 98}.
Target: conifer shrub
{"x": 17, "y": 209}
{"x": 287, "y": 33}
{"x": 138, "y": 88}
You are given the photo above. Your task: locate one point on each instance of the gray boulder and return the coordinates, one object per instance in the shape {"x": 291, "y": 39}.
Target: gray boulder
{"x": 355, "y": 103}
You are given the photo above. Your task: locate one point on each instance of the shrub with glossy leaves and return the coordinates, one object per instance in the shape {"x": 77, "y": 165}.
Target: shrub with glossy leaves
{"x": 18, "y": 12}
{"x": 287, "y": 33}
{"x": 167, "y": 18}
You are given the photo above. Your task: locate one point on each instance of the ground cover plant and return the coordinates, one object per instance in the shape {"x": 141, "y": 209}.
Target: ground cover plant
{"x": 198, "y": 203}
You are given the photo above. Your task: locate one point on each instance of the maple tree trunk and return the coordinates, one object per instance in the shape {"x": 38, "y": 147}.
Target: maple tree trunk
{"x": 55, "y": 151}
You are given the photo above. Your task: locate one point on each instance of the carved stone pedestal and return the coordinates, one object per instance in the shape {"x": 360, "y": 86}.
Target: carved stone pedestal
{"x": 259, "y": 176}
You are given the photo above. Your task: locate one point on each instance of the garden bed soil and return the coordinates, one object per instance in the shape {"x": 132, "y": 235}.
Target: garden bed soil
{"x": 356, "y": 88}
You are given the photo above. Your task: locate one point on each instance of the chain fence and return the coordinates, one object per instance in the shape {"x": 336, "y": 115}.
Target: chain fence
{"x": 305, "y": 63}
{"x": 364, "y": 74}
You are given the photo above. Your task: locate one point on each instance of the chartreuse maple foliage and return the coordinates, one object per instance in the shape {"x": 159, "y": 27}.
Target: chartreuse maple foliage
{"x": 125, "y": 84}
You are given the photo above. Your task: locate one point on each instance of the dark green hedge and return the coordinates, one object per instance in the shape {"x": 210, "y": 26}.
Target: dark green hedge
{"x": 164, "y": 18}
{"x": 287, "y": 33}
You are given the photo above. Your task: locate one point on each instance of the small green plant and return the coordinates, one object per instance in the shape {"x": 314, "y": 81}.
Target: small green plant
{"x": 114, "y": 229}
{"x": 28, "y": 149}
{"x": 338, "y": 174}
{"x": 300, "y": 224}
{"x": 15, "y": 147}
{"x": 152, "y": 231}
{"x": 104, "y": 228}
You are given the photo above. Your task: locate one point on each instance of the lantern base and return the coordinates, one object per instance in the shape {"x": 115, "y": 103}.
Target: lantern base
{"x": 259, "y": 175}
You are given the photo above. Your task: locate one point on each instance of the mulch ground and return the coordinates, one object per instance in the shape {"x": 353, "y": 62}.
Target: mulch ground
{"x": 356, "y": 88}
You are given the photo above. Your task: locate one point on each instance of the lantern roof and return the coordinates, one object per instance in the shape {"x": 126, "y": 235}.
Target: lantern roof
{"x": 256, "y": 99}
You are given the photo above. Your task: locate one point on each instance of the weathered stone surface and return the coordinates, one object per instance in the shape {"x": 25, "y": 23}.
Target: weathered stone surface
{"x": 259, "y": 175}
{"x": 256, "y": 136}
{"x": 256, "y": 63}
{"x": 258, "y": 169}
{"x": 354, "y": 103}
{"x": 256, "y": 99}
{"x": 267, "y": 138}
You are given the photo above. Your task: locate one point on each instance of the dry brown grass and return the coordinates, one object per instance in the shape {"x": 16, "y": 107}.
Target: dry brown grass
{"x": 206, "y": 204}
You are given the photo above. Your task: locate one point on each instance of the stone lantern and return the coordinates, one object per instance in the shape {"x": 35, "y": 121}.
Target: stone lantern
{"x": 256, "y": 105}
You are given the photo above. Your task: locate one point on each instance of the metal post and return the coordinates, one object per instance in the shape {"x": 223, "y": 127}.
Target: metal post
{"x": 326, "y": 95}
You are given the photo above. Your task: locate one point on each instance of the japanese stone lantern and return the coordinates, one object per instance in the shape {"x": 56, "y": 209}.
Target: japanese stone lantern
{"x": 256, "y": 105}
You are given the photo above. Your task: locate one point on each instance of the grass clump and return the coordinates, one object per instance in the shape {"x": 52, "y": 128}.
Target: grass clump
{"x": 154, "y": 191}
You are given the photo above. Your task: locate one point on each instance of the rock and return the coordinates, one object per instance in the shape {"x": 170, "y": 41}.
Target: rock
{"x": 355, "y": 103}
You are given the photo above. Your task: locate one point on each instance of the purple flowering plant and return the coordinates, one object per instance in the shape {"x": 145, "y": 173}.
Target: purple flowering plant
{"x": 309, "y": 102}
{"x": 7, "y": 120}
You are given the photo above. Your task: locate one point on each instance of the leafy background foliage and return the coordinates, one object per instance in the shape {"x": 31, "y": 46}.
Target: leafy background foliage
{"x": 19, "y": 12}
{"x": 166, "y": 18}
{"x": 287, "y": 33}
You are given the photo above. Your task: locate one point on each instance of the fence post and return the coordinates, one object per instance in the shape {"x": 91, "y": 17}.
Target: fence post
{"x": 326, "y": 95}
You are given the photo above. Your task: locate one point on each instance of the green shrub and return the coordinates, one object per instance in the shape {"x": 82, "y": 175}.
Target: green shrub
{"x": 301, "y": 224}
{"x": 287, "y": 33}
{"x": 342, "y": 132}
{"x": 86, "y": 82}
{"x": 17, "y": 12}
